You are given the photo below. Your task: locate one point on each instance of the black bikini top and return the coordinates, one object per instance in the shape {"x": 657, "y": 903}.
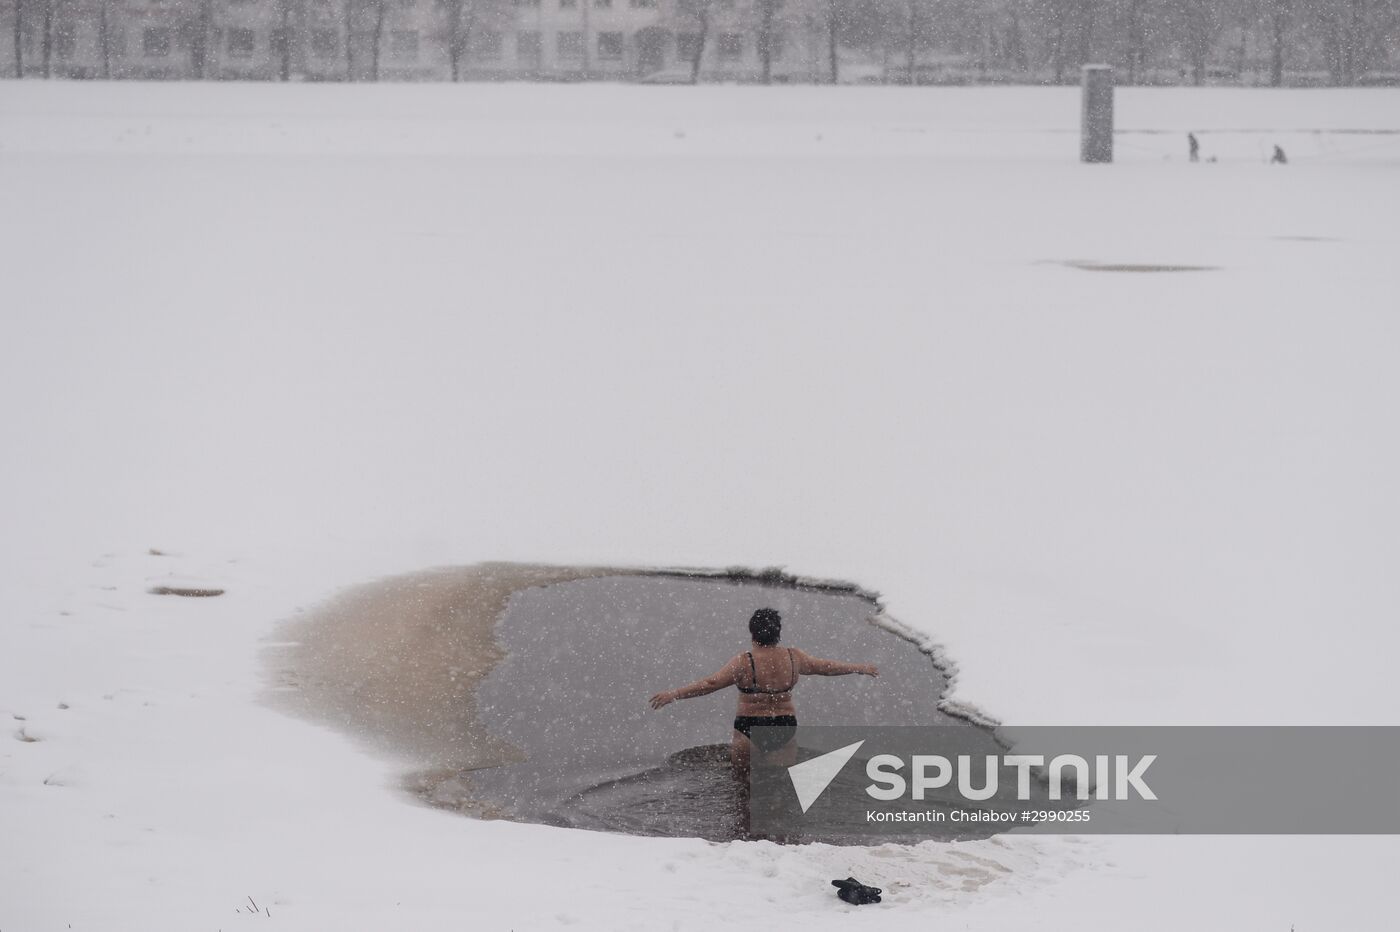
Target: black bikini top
{"x": 753, "y": 678}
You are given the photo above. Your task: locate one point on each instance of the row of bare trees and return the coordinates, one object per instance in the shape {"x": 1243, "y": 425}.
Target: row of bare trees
{"x": 1147, "y": 40}
{"x": 916, "y": 40}
{"x": 1047, "y": 40}
{"x": 362, "y": 22}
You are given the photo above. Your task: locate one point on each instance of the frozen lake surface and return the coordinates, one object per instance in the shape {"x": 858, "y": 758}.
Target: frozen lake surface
{"x": 296, "y": 338}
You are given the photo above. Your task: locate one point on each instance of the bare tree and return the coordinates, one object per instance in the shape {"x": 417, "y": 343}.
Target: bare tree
{"x": 347, "y": 13}
{"x": 1200, "y": 21}
{"x": 1061, "y": 27}
{"x": 46, "y": 39}
{"x": 19, "y": 38}
{"x": 199, "y": 30}
{"x": 459, "y": 30}
{"x": 1135, "y": 29}
{"x": 911, "y": 41}
{"x": 1280, "y": 22}
{"x": 1014, "y": 46}
{"x": 1058, "y": 43}
{"x": 1349, "y": 33}
{"x": 104, "y": 36}
{"x": 364, "y": 27}
{"x": 1134, "y": 38}
{"x": 833, "y": 39}
{"x": 700, "y": 15}
{"x": 1086, "y": 16}
{"x": 988, "y": 42}
{"x": 285, "y": 65}
{"x": 765, "y": 40}
{"x": 377, "y": 37}
{"x": 465, "y": 19}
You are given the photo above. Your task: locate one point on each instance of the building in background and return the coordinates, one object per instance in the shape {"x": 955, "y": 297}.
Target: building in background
{"x": 898, "y": 41}
{"x": 412, "y": 40}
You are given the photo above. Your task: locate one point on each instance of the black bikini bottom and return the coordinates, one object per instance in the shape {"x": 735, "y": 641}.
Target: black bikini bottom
{"x": 778, "y": 734}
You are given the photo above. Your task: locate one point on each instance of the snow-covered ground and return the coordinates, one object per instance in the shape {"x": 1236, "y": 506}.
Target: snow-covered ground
{"x": 295, "y": 338}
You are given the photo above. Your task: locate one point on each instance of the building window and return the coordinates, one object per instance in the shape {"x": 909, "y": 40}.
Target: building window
{"x": 687, "y": 44}
{"x": 486, "y": 45}
{"x": 528, "y": 49}
{"x": 278, "y": 41}
{"x": 567, "y": 4}
{"x": 643, "y": 4}
{"x": 240, "y": 43}
{"x": 65, "y": 38}
{"x": 776, "y": 42}
{"x": 323, "y": 44}
{"x": 609, "y": 46}
{"x": 570, "y": 44}
{"x": 155, "y": 42}
{"x": 731, "y": 46}
{"x": 403, "y": 45}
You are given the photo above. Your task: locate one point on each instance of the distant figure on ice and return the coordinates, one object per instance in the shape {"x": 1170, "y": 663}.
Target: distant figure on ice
{"x": 1279, "y": 158}
{"x": 765, "y": 677}
{"x": 1195, "y": 145}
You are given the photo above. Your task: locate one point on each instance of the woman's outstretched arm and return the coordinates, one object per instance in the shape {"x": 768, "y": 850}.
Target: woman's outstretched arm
{"x": 816, "y": 666}
{"x": 712, "y": 683}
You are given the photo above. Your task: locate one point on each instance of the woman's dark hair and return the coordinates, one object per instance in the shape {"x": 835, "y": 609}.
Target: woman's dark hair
{"x": 766, "y": 626}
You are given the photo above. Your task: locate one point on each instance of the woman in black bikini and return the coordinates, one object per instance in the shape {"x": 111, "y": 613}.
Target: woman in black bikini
{"x": 765, "y": 677}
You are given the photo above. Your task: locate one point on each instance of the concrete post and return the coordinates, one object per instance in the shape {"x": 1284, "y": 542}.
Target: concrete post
{"x": 1096, "y": 121}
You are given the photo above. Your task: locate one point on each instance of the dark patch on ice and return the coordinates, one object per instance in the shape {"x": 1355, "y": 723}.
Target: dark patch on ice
{"x": 1089, "y": 265}
{"x": 187, "y": 591}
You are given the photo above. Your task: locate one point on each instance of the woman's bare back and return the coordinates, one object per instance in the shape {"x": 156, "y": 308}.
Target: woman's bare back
{"x": 765, "y": 678}
{"x": 765, "y": 688}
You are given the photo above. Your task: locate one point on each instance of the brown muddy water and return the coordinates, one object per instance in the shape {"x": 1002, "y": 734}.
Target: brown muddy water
{"x": 520, "y": 692}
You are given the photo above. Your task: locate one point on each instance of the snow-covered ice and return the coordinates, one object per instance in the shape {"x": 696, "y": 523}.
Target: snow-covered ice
{"x": 296, "y": 338}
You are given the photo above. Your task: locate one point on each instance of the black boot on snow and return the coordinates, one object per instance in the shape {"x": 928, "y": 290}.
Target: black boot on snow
{"x": 855, "y": 892}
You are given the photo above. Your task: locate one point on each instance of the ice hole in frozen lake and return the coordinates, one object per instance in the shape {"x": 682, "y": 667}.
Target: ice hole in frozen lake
{"x": 520, "y": 692}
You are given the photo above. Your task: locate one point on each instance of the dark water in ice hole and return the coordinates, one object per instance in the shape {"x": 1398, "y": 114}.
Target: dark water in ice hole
{"x": 583, "y": 657}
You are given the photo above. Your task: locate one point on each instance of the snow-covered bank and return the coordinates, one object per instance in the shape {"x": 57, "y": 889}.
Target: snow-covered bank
{"x": 165, "y": 794}
{"x": 554, "y": 330}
